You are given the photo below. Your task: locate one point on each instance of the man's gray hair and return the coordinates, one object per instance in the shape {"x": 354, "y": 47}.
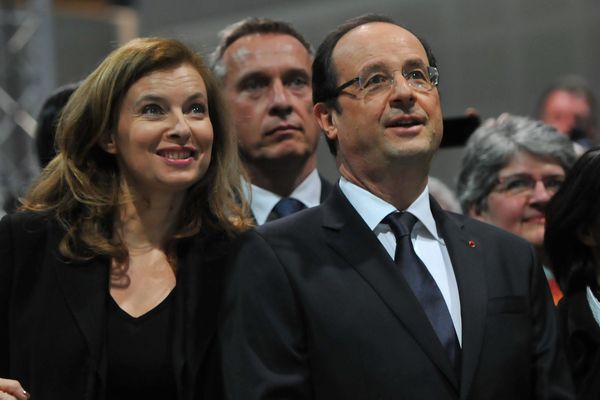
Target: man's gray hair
{"x": 250, "y": 26}
{"x": 495, "y": 143}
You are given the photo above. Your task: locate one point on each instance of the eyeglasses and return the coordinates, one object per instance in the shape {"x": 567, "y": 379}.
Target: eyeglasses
{"x": 369, "y": 83}
{"x": 524, "y": 184}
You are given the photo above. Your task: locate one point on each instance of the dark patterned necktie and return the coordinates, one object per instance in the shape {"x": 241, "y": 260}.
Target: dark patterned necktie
{"x": 423, "y": 285}
{"x": 284, "y": 207}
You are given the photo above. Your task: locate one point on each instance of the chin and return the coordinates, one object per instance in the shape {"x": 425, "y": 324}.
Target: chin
{"x": 289, "y": 151}
{"x": 535, "y": 238}
{"x": 178, "y": 183}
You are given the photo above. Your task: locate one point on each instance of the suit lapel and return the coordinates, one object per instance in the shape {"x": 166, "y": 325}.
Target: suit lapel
{"x": 469, "y": 269}
{"x": 85, "y": 288}
{"x": 349, "y": 236}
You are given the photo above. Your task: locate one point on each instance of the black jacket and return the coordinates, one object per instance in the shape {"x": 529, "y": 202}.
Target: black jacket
{"x": 53, "y": 314}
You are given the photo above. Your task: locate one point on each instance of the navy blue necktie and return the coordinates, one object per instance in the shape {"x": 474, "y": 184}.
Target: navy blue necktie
{"x": 284, "y": 207}
{"x": 422, "y": 284}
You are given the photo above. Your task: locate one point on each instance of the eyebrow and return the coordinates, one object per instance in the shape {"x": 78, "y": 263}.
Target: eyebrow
{"x": 415, "y": 62}
{"x": 258, "y": 74}
{"x": 296, "y": 71}
{"x": 157, "y": 98}
{"x": 376, "y": 66}
{"x": 527, "y": 174}
{"x": 380, "y": 65}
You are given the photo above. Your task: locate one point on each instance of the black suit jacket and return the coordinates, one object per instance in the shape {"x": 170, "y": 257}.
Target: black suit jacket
{"x": 581, "y": 334}
{"x": 326, "y": 188}
{"x": 53, "y": 314}
{"x": 317, "y": 309}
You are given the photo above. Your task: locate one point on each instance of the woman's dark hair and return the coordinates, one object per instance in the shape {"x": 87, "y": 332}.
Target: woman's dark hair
{"x": 573, "y": 211}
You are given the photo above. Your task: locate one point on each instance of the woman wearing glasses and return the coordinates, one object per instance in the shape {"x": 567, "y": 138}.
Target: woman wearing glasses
{"x": 572, "y": 243}
{"x": 511, "y": 168}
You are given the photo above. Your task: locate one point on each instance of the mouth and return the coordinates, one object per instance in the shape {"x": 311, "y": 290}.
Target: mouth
{"x": 536, "y": 219}
{"x": 176, "y": 154}
{"x": 405, "y": 122}
{"x": 283, "y": 129}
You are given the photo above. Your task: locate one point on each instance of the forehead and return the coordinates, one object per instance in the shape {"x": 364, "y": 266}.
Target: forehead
{"x": 376, "y": 42}
{"x": 563, "y": 100}
{"x": 525, "y": 162}
{"x": 184, "y": 77}
{"x": 265, "y": 52}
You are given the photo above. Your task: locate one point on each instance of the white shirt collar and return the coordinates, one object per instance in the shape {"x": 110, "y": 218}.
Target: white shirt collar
{"x": 262, "y": 201}
{"x": 373, "y": 209}
{"x": 594, "y": 304}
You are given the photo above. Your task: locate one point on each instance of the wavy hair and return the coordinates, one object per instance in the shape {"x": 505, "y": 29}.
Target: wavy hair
{"x": 81, "y": 186}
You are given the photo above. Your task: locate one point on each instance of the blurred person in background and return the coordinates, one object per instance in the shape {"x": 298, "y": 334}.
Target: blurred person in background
{"x": 572, "y": 243}
{"x": 110, "y": 274}
{"x": 265, "y": 69}
{"x": 511, "y": 168}
{"x": 4, "y": 195}
{"x": 45, "y": 131}
{"x": 570, "y": 106}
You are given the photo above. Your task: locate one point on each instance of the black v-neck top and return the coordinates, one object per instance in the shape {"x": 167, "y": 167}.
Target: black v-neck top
{"x": 139, "y": 353}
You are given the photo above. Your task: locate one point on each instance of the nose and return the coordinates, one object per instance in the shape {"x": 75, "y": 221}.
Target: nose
{"x": 540, "y": 196}
{"x": 402, "y": 95}
{"x": 281, "y": 105}
{"x": 181, "y": 130}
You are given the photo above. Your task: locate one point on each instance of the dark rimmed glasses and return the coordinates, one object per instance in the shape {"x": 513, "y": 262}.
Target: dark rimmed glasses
{"x": 369, "y": 83}
{"x": 524, "y": 184}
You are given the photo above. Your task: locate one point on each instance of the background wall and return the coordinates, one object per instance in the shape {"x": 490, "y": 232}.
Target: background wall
{"x": 494, "y": 56}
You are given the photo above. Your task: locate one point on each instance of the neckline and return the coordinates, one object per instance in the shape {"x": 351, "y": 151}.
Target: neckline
{"x": 148, "y": 314}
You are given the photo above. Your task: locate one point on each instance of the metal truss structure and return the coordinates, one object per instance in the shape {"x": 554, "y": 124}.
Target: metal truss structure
{"x": 26, "y": 77}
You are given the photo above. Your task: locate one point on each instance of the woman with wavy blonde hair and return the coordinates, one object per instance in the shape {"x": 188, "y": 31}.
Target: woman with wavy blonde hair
{"x": 110, "y": 273}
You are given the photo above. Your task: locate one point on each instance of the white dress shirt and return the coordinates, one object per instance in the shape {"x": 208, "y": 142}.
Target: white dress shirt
{"x": 429, "y": 246}
{"x": 262, "y": 201}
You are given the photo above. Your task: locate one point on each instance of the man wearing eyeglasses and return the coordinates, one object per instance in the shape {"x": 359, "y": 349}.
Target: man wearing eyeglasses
{"x": 378, "y": 293}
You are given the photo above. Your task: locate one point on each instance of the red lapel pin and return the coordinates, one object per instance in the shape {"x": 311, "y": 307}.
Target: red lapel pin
{"x": 471, "y": 243}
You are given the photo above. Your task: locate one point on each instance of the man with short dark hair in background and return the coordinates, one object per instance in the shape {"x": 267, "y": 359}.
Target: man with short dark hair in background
{"x": 265, "y": 68}
{"x": 569, "y": 105}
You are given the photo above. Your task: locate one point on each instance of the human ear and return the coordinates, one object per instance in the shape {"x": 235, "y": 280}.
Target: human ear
{"x": 107, "y": 142}
{"x": 324, "y": 117}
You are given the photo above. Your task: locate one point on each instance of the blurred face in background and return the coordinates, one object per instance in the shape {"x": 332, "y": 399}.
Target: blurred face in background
{"x": 567, "y": 111}
{"x": 517, "y": 202}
